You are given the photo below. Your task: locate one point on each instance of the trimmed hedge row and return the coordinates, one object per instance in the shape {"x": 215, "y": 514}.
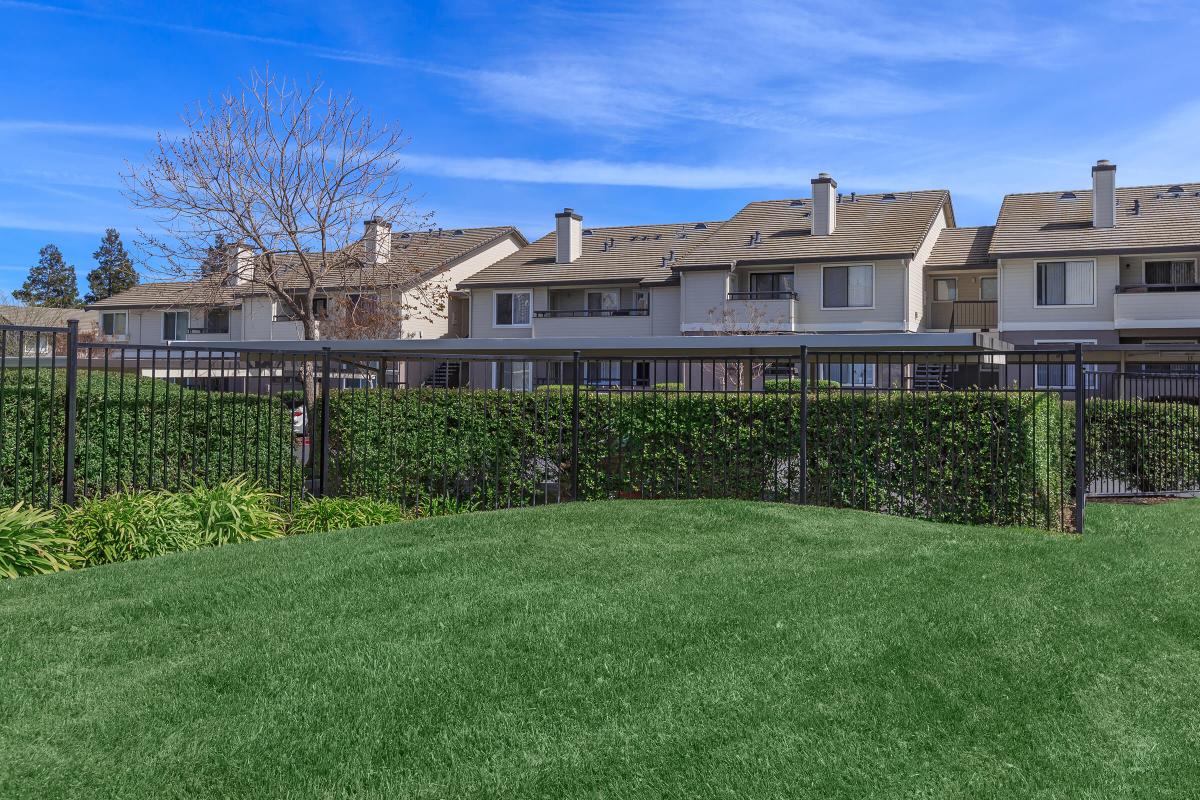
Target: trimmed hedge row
{"x": 137, "y": 432}
{"x": 1142, "y": 446}
{"x": 949, "y": 456}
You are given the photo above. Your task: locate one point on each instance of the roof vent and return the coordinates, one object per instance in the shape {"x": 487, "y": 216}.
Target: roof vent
{"x": 853, "y": 198}
{"x": 587, "y": 231}
{"x": 1068, "y": 196}
{"x": 1175, "y": 190}
{"x": 1137, "y": 207}
{"x": 657, "y": 236}
{"x": 888, "y": 198}
{"x": 755, "y": 239}
{"x": 459, "y": 232}
{"x": 839, "y": 197}
{"x": 796, "y": 203}
{"x": 700, "y": 226}
{"x": 681, "y": 235}
{"x": 609, "y": 244}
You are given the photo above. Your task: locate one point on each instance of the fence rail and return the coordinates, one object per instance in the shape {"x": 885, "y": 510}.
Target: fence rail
{"x": 966, "y": 436}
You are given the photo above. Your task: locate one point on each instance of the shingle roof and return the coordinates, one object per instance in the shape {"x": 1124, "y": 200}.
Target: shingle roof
{"x": 1047, "y": 222}
{"x": 206, "y": 292}
{"x": 414, "y": 257}
{"x": 870, "y": 226}
{"x": 47, "y": 317}
{"x": 962, "y": 248}
{"x": 632, "y": 253}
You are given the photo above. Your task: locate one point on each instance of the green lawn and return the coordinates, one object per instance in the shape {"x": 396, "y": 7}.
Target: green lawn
{"x": 641, "y": 649}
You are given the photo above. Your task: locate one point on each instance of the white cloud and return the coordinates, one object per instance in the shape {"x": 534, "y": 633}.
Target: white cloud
{"x": 90, "y": 129}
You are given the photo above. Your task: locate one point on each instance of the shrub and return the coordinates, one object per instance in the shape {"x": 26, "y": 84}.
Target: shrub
{"x": 792, "y": 385}
{"x": 232, "y": 511}
{"x": 439, "y": 505}
{"x": 1143, "y": 446}
{"x": 138, "y": 432}
{"x": 339, "y": 513}
{"x": 670, "y": 386}
{"x": 291, "y": 397}
{"x": 1001, "y": 458}
{"x": 30, "y": 545}
{"x": 560, "y": 389}
{"x": 127, "y": 526}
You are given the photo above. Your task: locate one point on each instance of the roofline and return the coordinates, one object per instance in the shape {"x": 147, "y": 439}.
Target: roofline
{"x": 1089, "y": 188}
{"x": 536, "y": 283}
{"x": 1095, "y": 251}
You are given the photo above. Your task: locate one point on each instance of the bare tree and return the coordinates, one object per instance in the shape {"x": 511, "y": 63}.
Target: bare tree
{"x": 287, "y": 174}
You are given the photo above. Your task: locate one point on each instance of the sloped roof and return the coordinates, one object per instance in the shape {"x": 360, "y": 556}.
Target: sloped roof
{"x": 630, "y": 253}
{"x": 1044, "y": 223}
{"x": 962, "y": 248}
{"x": 414, "y": 257}
{"x": 38, "y": 316}
{"x": 891, "y": 225}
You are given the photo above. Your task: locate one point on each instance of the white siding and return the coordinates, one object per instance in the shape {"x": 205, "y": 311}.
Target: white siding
{"x": 482, "y": 314}
{"x": 916, "y": 275}
{"x": 664, "y": 311}
{"x": 1018, "y": 297}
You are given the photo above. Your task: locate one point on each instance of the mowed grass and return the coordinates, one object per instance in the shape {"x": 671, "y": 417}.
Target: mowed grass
{"x": 615, "y": 650}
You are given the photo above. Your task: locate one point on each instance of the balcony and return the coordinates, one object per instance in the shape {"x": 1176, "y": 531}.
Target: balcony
{"x": 959, "y": 315}
{"x": 592, "y": 312}
{"x": 759, "y": 312}
{"x": 592, "y": 322}
{"x": 1157, "y": 305}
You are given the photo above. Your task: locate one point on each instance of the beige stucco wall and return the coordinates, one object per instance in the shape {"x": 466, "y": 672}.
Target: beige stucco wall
{"x": 482, "y": 311}
{"x": 664, "y": 311}
{"x": 916, "y": 273}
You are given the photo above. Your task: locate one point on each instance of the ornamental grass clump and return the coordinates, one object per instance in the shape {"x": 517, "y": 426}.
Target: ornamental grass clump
{"x": 30, "y": 545}
{"x": 232, "y": 511}
{"x": 340, "y": 513}
{"x": 130, "y": 525}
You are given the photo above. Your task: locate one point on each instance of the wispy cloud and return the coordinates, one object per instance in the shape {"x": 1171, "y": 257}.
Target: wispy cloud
{"x": 90, "y": 129}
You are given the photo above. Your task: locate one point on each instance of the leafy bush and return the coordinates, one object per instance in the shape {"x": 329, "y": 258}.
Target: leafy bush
{"x": 291, "y": 397}
{"x": 792, "y": 385}
{"x": 670, "y": 386}
{"x": 1143, "y": 446}
{"x": 439, "y": 505}
{"x": 339, "y": 513}
{"x": 127, "y": 526}
{"x": 1002, "y": 458}
{"x": 30, "y": 545}
{"x": 138, "y": 432}
{"x": 232, "y": 511}
{"x": 560, "y": 389}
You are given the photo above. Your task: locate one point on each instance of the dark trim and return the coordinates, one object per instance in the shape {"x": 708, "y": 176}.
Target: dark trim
{"x": 830, "y": 181}
{"x": 568, "y": 212}
{"x": 1104, "y": 168}
{"x": 525, "y": 285}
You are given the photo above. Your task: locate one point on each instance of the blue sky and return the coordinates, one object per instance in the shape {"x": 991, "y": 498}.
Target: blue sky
{"x": 627, "y": 112}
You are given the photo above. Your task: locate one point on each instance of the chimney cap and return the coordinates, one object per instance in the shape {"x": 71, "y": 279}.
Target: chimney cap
{"x": 1104, "y": 165}
{"x": 824, "y": 178}
{"x": 568, "y": 212}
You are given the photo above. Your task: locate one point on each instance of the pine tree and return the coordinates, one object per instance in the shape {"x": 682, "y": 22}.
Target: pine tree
{"x": 114, "y": 272}
{"x": 214, "y": 257}
{"x": 51, "y": 283}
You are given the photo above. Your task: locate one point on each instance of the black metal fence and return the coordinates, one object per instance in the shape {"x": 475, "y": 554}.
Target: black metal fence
{"x": 979, "y": 437}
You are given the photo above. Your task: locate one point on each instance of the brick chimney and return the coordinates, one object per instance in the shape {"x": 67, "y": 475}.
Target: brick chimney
{"x": 377, "y": 241}
{"x": 1104, "y": 195}
{"x": 568, "y": 235}
{"x": 824, "y": 216}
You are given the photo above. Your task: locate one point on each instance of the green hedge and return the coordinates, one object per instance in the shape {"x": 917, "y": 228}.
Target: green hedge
{"x": 792, "y": 385}
{"x": 1136, "y": 446}
{"x": 137, "y": 432}
{"x": 964, "y": 457}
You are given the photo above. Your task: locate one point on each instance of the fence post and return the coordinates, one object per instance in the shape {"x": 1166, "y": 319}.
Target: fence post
{"x": 72, "y": 402}
{"x": 1080, "y": 442}
{"x": 575, "y": 427}
{"x": 803, "y": 424}
{"x": 323, "y": 481}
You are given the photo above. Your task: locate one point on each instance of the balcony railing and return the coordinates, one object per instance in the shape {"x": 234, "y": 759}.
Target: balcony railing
{"x": 763, "y": 296}
{"x": 973, "y": 314}
{"x": 593, "y": 312}
{"x": 1145, "y": 288}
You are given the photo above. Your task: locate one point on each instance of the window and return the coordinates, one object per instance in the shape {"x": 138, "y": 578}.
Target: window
{"x": 945, "y": 289}
{"x": 1062, "y": 376}
{"x": 988, "y": 289}
{"x": 513, "y": 375}
{"x": 320, "y": 307}
{"x": 175, "y": 325}
{"x": 602, "y": 373}
{"x": 216, "y": 320}
{"x": 772, "y": 284}
{"x": 641, "y": 373}
{"x": 114, "y": 323}
{"x": 1066, "y": 283}
{"x": 848, "y": 287}
{"x": 641, "y": 300}
{"x": 607, "y": 300}
{"x": 512, "y": 309}
{"x": 1174, "y": 273}
{"x": 849, "y": 374}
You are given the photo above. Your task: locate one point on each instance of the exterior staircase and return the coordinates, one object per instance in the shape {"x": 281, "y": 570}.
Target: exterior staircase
{"x": 931, "y": 377}
{"x": 446, "y": 375}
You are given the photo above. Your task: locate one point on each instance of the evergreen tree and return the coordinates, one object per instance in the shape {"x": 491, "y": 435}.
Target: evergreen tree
{"x": 114, "y": 272}
{"x": 214, "y": 257}
{"x": 51, "y": 283}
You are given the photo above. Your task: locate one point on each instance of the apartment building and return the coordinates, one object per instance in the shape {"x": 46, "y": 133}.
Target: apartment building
{"x": 229, "y": 306}
{"x": 829, "y": 263}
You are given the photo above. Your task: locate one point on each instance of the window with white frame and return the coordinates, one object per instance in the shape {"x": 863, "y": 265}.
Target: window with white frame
{"x": 989, "y": 288}
{"x": 945, "y": 289}
{"x": 175, "y": 325}
{"x": 513, "y": 375}
{"x": 114, "y": 324}
{"x": 770, "y": 285}
{"x": 602, "y": 373}
{"x": 848, "y": 287}
{"x": 1062, "y": 376}
{"x": 216, "y": 320}
{"x": 1066, "y": 283}
{"x": 849, "y": 374}
{"x": 512, "y": 309}
{"x": 1172, "y": 273}
{"x": 602, "y": 300}
{"x": 641, "y": 299}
